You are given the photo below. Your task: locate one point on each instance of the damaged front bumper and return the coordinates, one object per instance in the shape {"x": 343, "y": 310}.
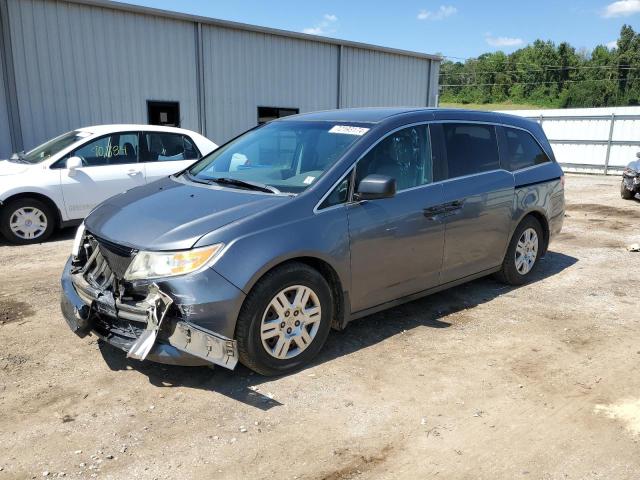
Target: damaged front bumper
{"x": 144, "y": 328}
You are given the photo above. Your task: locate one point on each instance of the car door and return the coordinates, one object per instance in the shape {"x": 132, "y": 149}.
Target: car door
{"x": 165, "y": 153}
{"x": 109, "y": 166}
{"x": 396, "y": 243}
{"x": 478, "y": 198}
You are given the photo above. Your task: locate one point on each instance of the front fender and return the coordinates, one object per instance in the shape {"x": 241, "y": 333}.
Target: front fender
{"x": 54, "y": 195}
{"x": 323, "y": 236}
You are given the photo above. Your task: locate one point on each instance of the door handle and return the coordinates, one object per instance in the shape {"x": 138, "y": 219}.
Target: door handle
{"x": 445, "y": 209}
{"x": 133, "y": 172}
{"x": 432, "y": 212}
{"x": 452, "y": 208}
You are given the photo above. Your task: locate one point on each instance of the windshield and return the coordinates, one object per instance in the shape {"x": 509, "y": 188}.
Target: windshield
{"x": 289, "y": 156}
{"x": 50, "y": 148}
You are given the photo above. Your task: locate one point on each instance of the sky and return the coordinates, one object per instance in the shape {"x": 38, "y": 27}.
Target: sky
{"x": 454, "y": 28}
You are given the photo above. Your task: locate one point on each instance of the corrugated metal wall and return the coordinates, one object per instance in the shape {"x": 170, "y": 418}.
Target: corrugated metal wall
{"x": 380, "y": 79}
{"x": 244, "y": 70}
{"x": 78, "y": 65}
{"x": 5, "y": 138}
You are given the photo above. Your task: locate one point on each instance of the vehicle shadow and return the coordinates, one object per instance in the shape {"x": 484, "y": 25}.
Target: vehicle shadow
{"x": 243, "y": 385}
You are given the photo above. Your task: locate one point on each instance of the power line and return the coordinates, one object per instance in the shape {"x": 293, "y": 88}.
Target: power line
{"x": 617, "y": 80}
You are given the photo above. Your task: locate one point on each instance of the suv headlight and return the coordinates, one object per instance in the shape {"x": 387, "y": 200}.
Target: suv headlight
{"x": 147, "y": 265}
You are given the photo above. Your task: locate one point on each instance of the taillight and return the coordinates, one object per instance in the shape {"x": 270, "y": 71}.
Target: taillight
{"x": 562, "y": 180}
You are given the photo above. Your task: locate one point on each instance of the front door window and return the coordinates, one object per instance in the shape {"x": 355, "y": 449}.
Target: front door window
{"x": 404, "y": 155}
{"x": 114, "y": 149}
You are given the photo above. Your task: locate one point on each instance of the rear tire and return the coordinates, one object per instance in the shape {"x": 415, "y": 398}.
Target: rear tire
{"x": 523, "y": 253}
{"x": 285, "y": 320}
{"x": 27, "y": 221}
{"x": 625, "y": 193}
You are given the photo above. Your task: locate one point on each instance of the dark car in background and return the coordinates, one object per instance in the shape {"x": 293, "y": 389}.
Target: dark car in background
{"x": 630, "y": 186}
{"x": 306, "y": 223}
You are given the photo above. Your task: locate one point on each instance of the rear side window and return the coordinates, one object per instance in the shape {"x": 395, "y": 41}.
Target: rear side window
{"x": 167, "y": 147}
{"x": 522, "y": 150}
{"x": 470, "y": 148}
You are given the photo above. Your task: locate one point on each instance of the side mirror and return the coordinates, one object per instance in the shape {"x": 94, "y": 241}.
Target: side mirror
{"x": 638, "y": 154}
{"x": 73, "y": 163}
{"x": 374, "y": 187}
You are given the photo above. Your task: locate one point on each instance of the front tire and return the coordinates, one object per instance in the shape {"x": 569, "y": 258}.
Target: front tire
{"x": 523, "y": 253}
{"x": 625, "y": 193}
{"x": 285, "y": 320}
{"x": 27, "y": 221}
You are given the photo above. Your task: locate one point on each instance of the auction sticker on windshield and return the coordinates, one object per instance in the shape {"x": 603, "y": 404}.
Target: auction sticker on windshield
{"x": 349, "y": 130}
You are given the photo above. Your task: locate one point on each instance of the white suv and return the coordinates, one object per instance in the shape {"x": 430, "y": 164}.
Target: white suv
{"x": 58, "y": 183}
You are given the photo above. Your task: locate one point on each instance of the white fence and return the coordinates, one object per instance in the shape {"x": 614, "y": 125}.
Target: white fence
{"x": 596, "y": 140}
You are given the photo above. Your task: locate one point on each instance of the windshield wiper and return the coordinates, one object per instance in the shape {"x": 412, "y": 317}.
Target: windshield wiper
{"x": 192, "y": 178}
{"x": 261, "y": 187}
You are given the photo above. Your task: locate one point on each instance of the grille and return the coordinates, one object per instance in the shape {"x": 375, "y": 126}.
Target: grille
{"x": 106, "y": 262}
{"x": 117, "y": 263}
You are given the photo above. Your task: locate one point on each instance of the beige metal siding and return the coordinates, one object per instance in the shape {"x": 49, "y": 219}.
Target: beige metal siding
{"x": 78, "y": 65}
{"x": 244, "y": 70}
{"x": 380, "y": 79}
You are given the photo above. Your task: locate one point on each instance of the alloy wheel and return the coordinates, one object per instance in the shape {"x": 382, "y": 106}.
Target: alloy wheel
{"x": 526, "y": 251}
{"x": 290, "y": 322}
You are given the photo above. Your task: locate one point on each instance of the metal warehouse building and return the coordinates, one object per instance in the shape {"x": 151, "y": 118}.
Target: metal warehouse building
{"x": 72, "y": 63}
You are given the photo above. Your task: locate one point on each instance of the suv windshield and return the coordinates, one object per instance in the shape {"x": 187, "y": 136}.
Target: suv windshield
{"x": 285, "y": 155}
{"x": 53, "y": 146}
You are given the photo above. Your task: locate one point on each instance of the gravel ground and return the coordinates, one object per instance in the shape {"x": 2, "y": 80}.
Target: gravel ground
{"x": 481, "y": 381}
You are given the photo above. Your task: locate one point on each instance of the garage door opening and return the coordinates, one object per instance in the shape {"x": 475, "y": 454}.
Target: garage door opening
{"x": 166, "y": 114}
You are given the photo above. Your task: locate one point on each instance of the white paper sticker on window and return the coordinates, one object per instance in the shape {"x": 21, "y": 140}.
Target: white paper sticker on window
{"x": 348, "y": 130}
{"x": 309, "y": 180}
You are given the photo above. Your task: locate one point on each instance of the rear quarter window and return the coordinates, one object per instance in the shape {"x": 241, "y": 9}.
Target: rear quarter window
{"x": 521, "y": 150}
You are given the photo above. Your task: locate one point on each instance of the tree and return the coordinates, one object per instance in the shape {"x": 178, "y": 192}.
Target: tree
{"x": 547, "y": 74}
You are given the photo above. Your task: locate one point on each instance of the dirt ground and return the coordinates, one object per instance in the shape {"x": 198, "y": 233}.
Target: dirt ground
{"x": 479, "y": 382}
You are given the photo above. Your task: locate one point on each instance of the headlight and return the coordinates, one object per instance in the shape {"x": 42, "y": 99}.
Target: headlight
{"x": 630, "y": 172}
{"x": 75, "y": 249}
{"x": 149, "y": 265}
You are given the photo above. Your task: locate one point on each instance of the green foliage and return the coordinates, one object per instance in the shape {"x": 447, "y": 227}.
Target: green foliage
{"x": 549, "y": 75}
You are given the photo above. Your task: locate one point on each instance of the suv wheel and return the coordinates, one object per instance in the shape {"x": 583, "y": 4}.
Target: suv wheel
{"x": 285, "y": 320}
{"x": 26, "y": 221}
{"x": 523, "y": 253}
{"x": 625, "y": 193}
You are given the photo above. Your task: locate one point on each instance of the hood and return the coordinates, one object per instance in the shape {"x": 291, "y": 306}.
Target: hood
{"x": 171, "y": 215}
{"x": 12, "y": 168}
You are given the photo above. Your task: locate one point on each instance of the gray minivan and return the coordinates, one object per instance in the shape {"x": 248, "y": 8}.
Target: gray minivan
{"x": 306, "y": 223}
